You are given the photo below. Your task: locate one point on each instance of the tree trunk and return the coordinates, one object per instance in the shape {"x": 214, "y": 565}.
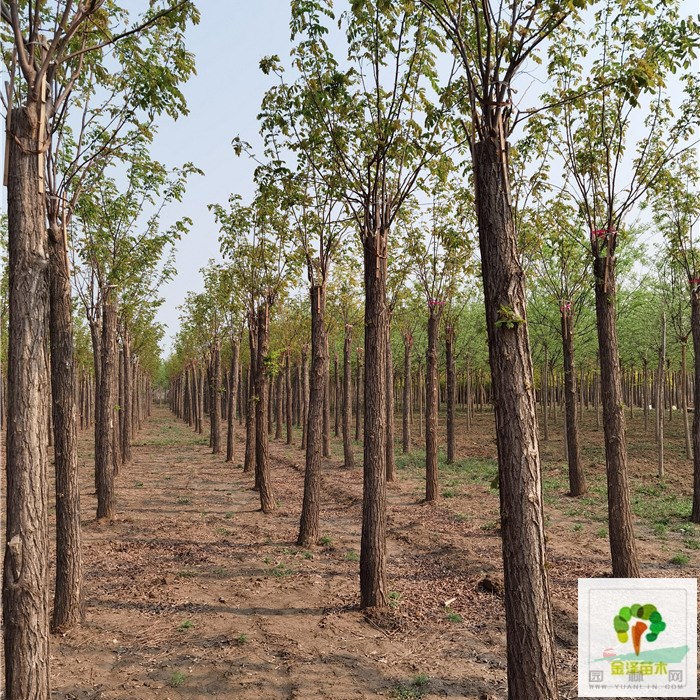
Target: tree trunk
{"x": 695, "y": 329}
{"x": 336, "y": 396}
{"x": 309, "y": 525}
{"x": 348, "y": 456}
{"x": 645, "y": 393}
{"x": 214, "y": 402}
{"x": 530, "y": 649}
{"x": 431, "y": 405}
{"x": 233, "y": 392}
{"x": 327, "y": 405}
{"x": 544, "y": 389}
{"x": 451, "y": 390}
{"x": 288, "y": 396}
{"x": 406, "y": 407}
{"x": 373, "y": 539}
{"x": 390, "y": 462}
{"x": 25, "y": 580}
{"x": 262, "y": 465}
{"x": 419, "y": 390}
{"x": 279, "y": 400}
{"x": 358, "y": 395}
{"x": 623, "y": 549}
{"x": 106, "y": 401}
{"x": 577, "y": 478}
{"x": 684, "y": 398}
{"x": 304, "y": 393}
{"x": 660, "y": 390}
{"x": 125, "y": 407}
{"x": 67, "y": 606}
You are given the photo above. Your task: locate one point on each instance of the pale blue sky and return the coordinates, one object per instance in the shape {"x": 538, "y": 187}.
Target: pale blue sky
{"x": 224, "y": 99}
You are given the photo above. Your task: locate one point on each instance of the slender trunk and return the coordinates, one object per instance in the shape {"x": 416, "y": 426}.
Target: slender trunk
{"x": 645, "y": 393}
{"x": 214, "y": 402}
{"x": 529, "y": 635}
{"x": 232, "y": 393}
{"x": 431, "y": 405}
{"x": 373, "y": 591}
{"x": 262, "y": 464}
{"x": 419, "y": 390}
{"x": 684, "y": 398}
{"x": 336, "y": 397}
{"x": 304, "y": 393}
{"x": 661, "y": 386}
{"x": 451, "y": 389}
{"x": 390, "y": 463}
{"x": 25, "y": 579}
{"x": 104, "y": 430}
{"x": 623, "y": 548}
{"x": 577, "y": 478}
{"x": 279, "y": 400}
{"x": 67, "y": 606}
{"x": 358, "y": 395}
{"x": 327, "y": 406}
{"x": 695, "y": 329}
{"x": 249, "y": 462}
{"x": 309, "y": 525}
{"x": 125, "y": 407}
{"x": 406, "y": 407}
{"x": 288, "y": 395}
{"x": 348, "y": 456}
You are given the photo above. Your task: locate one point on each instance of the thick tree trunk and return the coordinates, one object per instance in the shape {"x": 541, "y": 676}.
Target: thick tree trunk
{"x": 695, "y": 329}
{"x": 530, "y": 638}
{"x": 25, "y": 579}
{"x": 67, "y": 607}
{"x": 373, "y": 591}
{"x": 419, "y": 390}
{"x": 431, "y": 405}
{"x": 214, "y": 402}
{"x": 358, "y": 396}
{"x": 623, "y": 549}
{"x": 406, "y": 407}
{"x": 577, "y": 478}
{"x": 104, "y": 429}
{"x": 232, "y": 394}
{"x": 451, "y": 390}
{"x": 262, "y": 464}
{"x": 348, "y": 456}
{"x": 390, "y": 464}
{"x": 309, "y": 525}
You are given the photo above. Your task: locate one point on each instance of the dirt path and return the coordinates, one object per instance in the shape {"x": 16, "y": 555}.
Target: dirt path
{"x": 193, "y": 593}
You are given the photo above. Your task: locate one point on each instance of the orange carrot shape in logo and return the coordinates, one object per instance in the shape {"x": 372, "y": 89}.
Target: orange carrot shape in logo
{"x": 648, "y": 617}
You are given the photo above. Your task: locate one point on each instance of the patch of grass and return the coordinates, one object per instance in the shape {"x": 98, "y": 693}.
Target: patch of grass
{"x": 680, "y": 559}
{"x": 657, "y": 503}
{"x": 461, "y": 518}
{"x": 308, "y": 555}
{"x": 577, "y": 527}
{"x": 692, "y": 544}
{"x": 186, "y": 625}
{"x": 223, "y": 531}
{"x": 218, "y": 571}
{"x": 241, "y": 639}
{"x": 660, "y": 529}
{"x": 228, "y": 515}
{"x": 490, "y": 527}
{"x": 183, "y": 500}
{"x": 352, "y": 555}
{"x": 394, "y": 597}
{"x": 449, "y": 493}
{"x": 176, "y": 679}
{"x": 325, "y": 541}
{"x": 454, "y": 617}
{"x": 138, "y": 485}
{"x": 413, "y": 690}
{"x": 281, "y": 569}
{"x": 187, "y": 573}
{"x": 602, "y": 533}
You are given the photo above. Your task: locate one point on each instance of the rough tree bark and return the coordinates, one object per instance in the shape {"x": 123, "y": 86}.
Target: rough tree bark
{"x": 530, "y": 638}
{"x": 577, "y": 478}
{"x": 25, "y": 579}
{"x": 373, "y": 538}
{"x": 233, "y": 392}
{"x": 304, "y": 393}
{"x": 451, "y": 391}
{"x": 623, "y": 549}
{"x": 125, "y": 407}
{"x": 262, "y": 464}
{"x": 406, "y": 408}
{"x": 348, "y": 456}
{"x": 431, "y": 404}
{"x": 249, "y": 461}
{"x": 67, "y": 606}
{"x": 288, "y": 395}
{"x": 309, "y": 525}
{"x": 390, "y": 464}
{"x": 695, "y": 329}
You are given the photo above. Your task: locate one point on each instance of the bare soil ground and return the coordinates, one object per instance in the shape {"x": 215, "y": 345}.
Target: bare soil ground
{"x": 193, "y": 593}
